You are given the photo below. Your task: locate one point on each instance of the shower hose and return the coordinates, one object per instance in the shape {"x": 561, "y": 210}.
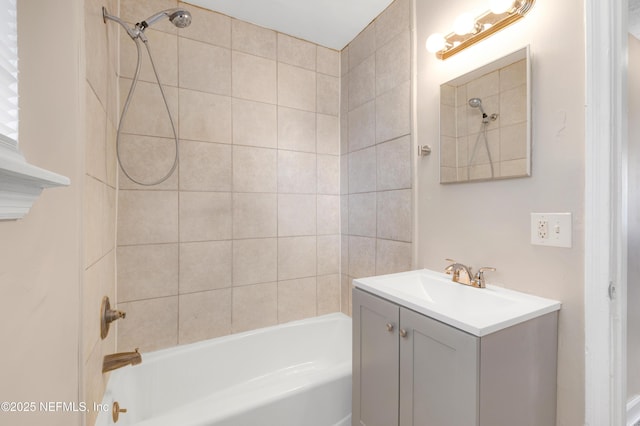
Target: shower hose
{"x": 483, "y": 133}
{"x": 125, "y": 109}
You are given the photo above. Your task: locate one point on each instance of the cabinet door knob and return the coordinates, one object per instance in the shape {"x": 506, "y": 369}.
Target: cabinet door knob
{"x": 403, "y": 332}
{"x": 389, "y": 327}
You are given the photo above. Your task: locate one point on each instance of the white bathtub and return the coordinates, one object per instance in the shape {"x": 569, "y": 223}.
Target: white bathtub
{"x": 293, "y": 374}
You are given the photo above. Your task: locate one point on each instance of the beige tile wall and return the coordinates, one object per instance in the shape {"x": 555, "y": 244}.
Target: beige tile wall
{"x": 99, "y": 216}
{"x": 375, "y": 162}
{"x": 247, "y": 232}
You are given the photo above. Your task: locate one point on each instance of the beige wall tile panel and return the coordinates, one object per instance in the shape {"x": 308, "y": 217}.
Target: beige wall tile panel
{"x": 362, "y": 47}
{"x": 205, "y": 266}
{"x": 296, "y": 215}
{"x": 204, "y": 67}
{"x": 362, "y": 256}
{"x": 328, "y": 174}
{"x": 205, "y": 166}
{"x": 254, "y": 306}
{"x": 255, "y": 261}
{"x": 296, "y": 130}
{"x": 253, "y": 78}
{"x": 150, "y": 325}
{"x": 296, "y": 299}
{"x": 362, "y": 83}
{"x": 393, "y": 62}
{"x": 296, "y": 87}
{"x": 249, "y": 38}
{"x": 328, "y": 95}
{"x": 362, "y": 170}
{"x": 328, "y": 61}
{"x": 204, "y": 315}
{"x": 328, "y": 287}
{"x": 255, "y": 169}
{"x": 96, "y": 134}
{"x": 255, "y": 215}
{"x": 394, "y": 215}
{"x": 147, "y": 217}
{"x": 327, "y": 134}
{"x": 394, "y": 164}
{"x": 147, "y": 271}
{"x": 296, "y": 172}
{"x": 328, "y": 254}
{"x": 294, "y": 51}
{"x": 362, "y": 127}
{"x": 205, "y": 116}
{"x": 396, "y": 18}
{"x": 205, "y": 216}
{"x": 328, "y": 214}
{"x": 392, "y": 257}
{"x": 362, "y": 214}
{"x": 393, "y": 113}
{"x": 254, "y": 124}
{"x": 296, "y": 257}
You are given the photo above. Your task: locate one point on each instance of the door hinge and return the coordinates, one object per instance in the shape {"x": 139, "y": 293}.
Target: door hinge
{"x": 612, "y": 290}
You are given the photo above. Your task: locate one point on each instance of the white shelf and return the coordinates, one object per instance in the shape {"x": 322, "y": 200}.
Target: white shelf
{"x": 20, "y": 182}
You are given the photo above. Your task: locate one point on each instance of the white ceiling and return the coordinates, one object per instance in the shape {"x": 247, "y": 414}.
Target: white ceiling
{"x": 330, "y": 23}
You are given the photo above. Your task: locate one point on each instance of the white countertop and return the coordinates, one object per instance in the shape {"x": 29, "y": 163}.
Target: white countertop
{"x": 478, "y": 311}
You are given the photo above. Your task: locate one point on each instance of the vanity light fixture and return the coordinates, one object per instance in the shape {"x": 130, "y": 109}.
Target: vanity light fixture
{"x": 468, "y": 31}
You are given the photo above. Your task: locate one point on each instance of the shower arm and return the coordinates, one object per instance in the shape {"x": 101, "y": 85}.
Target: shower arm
{"x": 134, "y": 33}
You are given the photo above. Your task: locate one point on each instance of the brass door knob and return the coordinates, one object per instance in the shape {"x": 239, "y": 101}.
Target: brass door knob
{"x": 403, "y": 332}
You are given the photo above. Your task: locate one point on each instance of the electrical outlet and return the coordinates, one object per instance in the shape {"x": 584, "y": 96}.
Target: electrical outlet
{"x": 551, "y": 229}
{"x": 543, "y": 229}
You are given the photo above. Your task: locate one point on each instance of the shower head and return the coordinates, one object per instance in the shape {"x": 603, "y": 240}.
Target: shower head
{"x": 477, "y": 103}
{"x": 178, "y": 17}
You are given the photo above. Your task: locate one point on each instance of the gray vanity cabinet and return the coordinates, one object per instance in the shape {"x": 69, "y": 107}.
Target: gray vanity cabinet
{"x": 411, "y": 370}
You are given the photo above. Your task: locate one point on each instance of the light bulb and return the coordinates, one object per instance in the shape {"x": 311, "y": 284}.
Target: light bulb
{"x": 464, "y": 24}
{"x": 435, "y": 43}
{"x": 500, "y": 6}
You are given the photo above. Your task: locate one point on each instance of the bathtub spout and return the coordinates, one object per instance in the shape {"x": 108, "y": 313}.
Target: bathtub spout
{"x": 115, "y": 361}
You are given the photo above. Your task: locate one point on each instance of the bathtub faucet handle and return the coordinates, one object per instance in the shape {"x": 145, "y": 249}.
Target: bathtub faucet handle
{"x": 107, "y": 316}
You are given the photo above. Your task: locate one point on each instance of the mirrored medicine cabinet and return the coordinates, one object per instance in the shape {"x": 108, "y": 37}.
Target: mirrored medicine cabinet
{"x": 485, "y": 122}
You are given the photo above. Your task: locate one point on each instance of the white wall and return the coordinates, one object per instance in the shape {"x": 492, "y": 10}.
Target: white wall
{"x": 40, "y": 255}
{"x": 487, "y": 224}
{"x": 633, "y": 283}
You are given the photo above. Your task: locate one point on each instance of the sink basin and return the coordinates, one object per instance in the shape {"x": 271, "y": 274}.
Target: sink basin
{"x": 478, "y": 311}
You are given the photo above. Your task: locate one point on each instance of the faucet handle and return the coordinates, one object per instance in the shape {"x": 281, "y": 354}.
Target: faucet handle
{"x": 479, "y": 278}
{"x": 449, "y": 269}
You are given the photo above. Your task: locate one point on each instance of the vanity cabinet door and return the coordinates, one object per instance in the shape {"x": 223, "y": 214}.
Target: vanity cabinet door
{"x": 375, "y": 360}
{"x": 438, "y": 373}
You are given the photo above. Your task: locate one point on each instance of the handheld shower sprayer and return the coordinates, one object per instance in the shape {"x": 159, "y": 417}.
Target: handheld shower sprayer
{"x": 180, "y": 18}
{"x": 477, "y": 103}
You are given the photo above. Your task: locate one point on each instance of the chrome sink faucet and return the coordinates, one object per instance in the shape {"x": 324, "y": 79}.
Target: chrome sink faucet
{"x": 462, "y": 274}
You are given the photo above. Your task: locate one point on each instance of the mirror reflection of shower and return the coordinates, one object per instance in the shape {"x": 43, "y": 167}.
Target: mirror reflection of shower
{"x": 181, "y": 19}
{"x": 477, "y": 103}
